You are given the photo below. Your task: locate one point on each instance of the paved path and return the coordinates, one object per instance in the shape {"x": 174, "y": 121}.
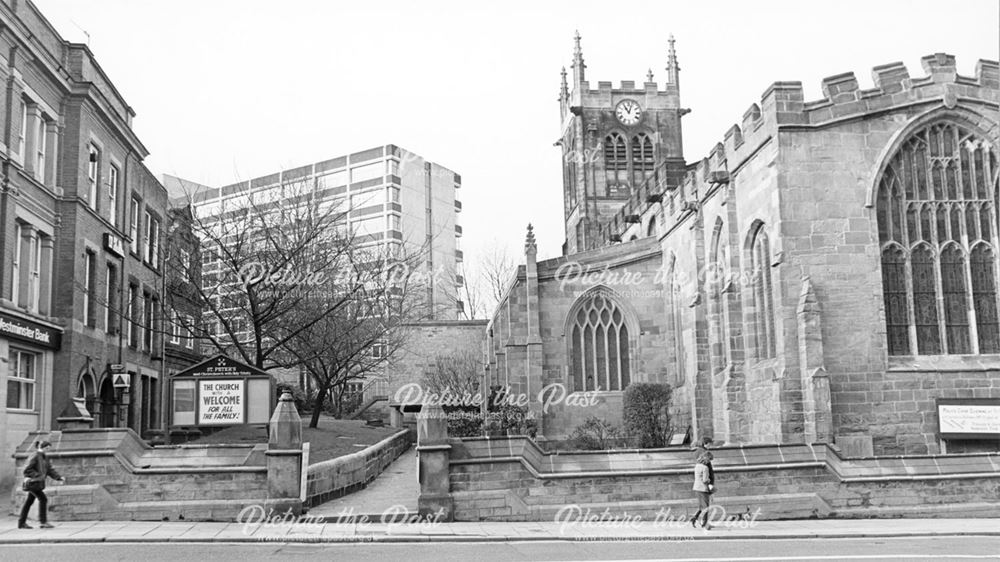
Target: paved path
{"x": 396, "y": 489}
{"x": 308, "y": 532}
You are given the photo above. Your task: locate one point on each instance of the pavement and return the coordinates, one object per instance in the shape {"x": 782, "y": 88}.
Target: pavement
{"x": 310, "y": 531}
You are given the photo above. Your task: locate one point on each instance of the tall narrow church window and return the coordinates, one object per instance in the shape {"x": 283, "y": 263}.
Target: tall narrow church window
{"x": 763, "y": 306}
{"x": 945, "y": 243}
{"x": 984, "y": 298}
{"x": 956, "y": 306}
{"x": 616, "y": 165}
{"x": 643, "y": 160}
{"x": 897, "y": 312}
{"x": 599, "y": 345}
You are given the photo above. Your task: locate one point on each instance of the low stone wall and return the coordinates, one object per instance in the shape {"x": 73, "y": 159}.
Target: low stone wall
{"x": 340, "y": 476}
{"x": 111, "y": 474}
{"x": 511, "y": 479}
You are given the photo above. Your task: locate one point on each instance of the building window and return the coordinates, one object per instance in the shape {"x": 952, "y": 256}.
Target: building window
{"x": 93, "y": 175}
{"x": 40, "y": 150}
{"x": 185, "y": 262}
{"x": 15, "y": 267}
{"x": 110, "y": 311}
{"x": 35, "y": 272}
{"x": 175, "y": 328}
{"x": 22, "y": 140}
{"x": 113, "y": 195}
{"x": 643, "y": 161}
{"x": 22, "y": 369}
{"x": 147, "y": 322}
{"x": 151, "y": 249}
{"x": 133, "y": 225}
{"x": 89, "y": 287}
{"x": 763, "y": 304}
{"x": 133, "y": 321}
{"x": 188, "y": 327}
{"x": 935, "y": 209}
{"x": 599, "y": 345}
{"x": 615, "y": 164}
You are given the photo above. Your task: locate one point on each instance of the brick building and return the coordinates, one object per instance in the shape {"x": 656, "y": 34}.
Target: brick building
{"x": 826, "y": 274}
{"x": 83, "y": 223}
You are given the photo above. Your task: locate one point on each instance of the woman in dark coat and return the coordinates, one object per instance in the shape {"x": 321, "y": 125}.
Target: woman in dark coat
{"x": 35, "y": 473}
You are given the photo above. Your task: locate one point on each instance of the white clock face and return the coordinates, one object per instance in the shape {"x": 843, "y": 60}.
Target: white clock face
{"x": 628, "y": 112}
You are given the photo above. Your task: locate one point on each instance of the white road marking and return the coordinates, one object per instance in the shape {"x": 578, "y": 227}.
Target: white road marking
{"x": 832, "y": 557}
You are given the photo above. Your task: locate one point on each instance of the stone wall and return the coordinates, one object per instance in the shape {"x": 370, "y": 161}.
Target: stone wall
{"x": 512, "y": 480}
{"x": 425, "y": 341}
{"x": 340, "y": 476}
{"x": 112, "y": 475}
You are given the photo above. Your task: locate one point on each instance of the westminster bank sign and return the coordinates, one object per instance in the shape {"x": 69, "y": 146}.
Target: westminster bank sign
{"x": 28, "y": 331}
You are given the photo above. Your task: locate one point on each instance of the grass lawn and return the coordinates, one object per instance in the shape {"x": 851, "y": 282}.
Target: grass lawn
{"x": 333, "y": 438}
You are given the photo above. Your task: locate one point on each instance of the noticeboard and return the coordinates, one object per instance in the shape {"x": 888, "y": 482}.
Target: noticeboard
{"x": 221, "y": 391}
{"x": 968, "y": 418}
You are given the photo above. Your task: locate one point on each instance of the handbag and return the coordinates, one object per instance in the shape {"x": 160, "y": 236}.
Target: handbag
{"x": 31, "y": 485}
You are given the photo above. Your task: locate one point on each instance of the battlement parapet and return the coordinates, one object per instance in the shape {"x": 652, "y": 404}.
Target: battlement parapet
{"x": 783, "y": 105}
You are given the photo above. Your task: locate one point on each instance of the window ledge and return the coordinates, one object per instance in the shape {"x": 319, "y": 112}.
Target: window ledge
{"x": 917, "y": 363}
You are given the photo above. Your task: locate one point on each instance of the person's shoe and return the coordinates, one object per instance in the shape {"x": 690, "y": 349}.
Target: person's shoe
{"x": 46, "y": 526}
{"x": 24, "y": 526}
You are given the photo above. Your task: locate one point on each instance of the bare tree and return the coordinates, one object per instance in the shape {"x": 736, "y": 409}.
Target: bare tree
{"x": 264, "y": 257}
{"x": 488, "y": 281}
{"x": 458, "y": 373}
{"x": 356, "y": 340}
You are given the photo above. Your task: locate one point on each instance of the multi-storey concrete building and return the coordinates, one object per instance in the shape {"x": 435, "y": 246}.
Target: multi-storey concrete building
{"x": 82, "y": 224}
{"x": 391, "y": 196}
{"x": 828, "y": 273}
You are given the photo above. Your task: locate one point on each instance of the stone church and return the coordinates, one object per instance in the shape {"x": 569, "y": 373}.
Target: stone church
{"x": 826, "y": 274}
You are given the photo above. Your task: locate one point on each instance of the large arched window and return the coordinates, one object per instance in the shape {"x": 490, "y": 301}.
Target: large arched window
{"x": 616, "y": 165}
{"x": 936, "y": 214}
{"x": 599, "y": 344}
{"x": 763, "y": 301}
{"x": 643, "y": 160}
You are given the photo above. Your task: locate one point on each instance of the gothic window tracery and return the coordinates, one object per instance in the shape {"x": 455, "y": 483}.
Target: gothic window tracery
{"x": 599, "y": 344}
{"x": 615, "y": 164}
{"x": 643, "y": 160}
{"x": 939, "y": 264}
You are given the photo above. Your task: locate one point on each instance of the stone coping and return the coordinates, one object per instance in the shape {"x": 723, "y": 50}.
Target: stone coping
{"x": 543, "y": 465}
{"x": 139, "y": 457}
{"x": 359, "y": 454}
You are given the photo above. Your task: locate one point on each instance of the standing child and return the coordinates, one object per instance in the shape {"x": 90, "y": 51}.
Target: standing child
{"x": 35, "y": 473}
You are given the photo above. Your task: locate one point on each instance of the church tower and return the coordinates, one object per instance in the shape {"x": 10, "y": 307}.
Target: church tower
{"x": 612, "y": 140}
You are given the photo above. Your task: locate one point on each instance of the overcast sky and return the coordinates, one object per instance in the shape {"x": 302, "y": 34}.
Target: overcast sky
{"x": 230, "y": 90}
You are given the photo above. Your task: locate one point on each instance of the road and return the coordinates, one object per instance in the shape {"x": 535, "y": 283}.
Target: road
{"x": 909, "y": 548}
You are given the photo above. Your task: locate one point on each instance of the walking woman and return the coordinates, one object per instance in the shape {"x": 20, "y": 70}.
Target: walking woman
{"x": 703, "y": 488}
{"x": 35, "y": 473}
